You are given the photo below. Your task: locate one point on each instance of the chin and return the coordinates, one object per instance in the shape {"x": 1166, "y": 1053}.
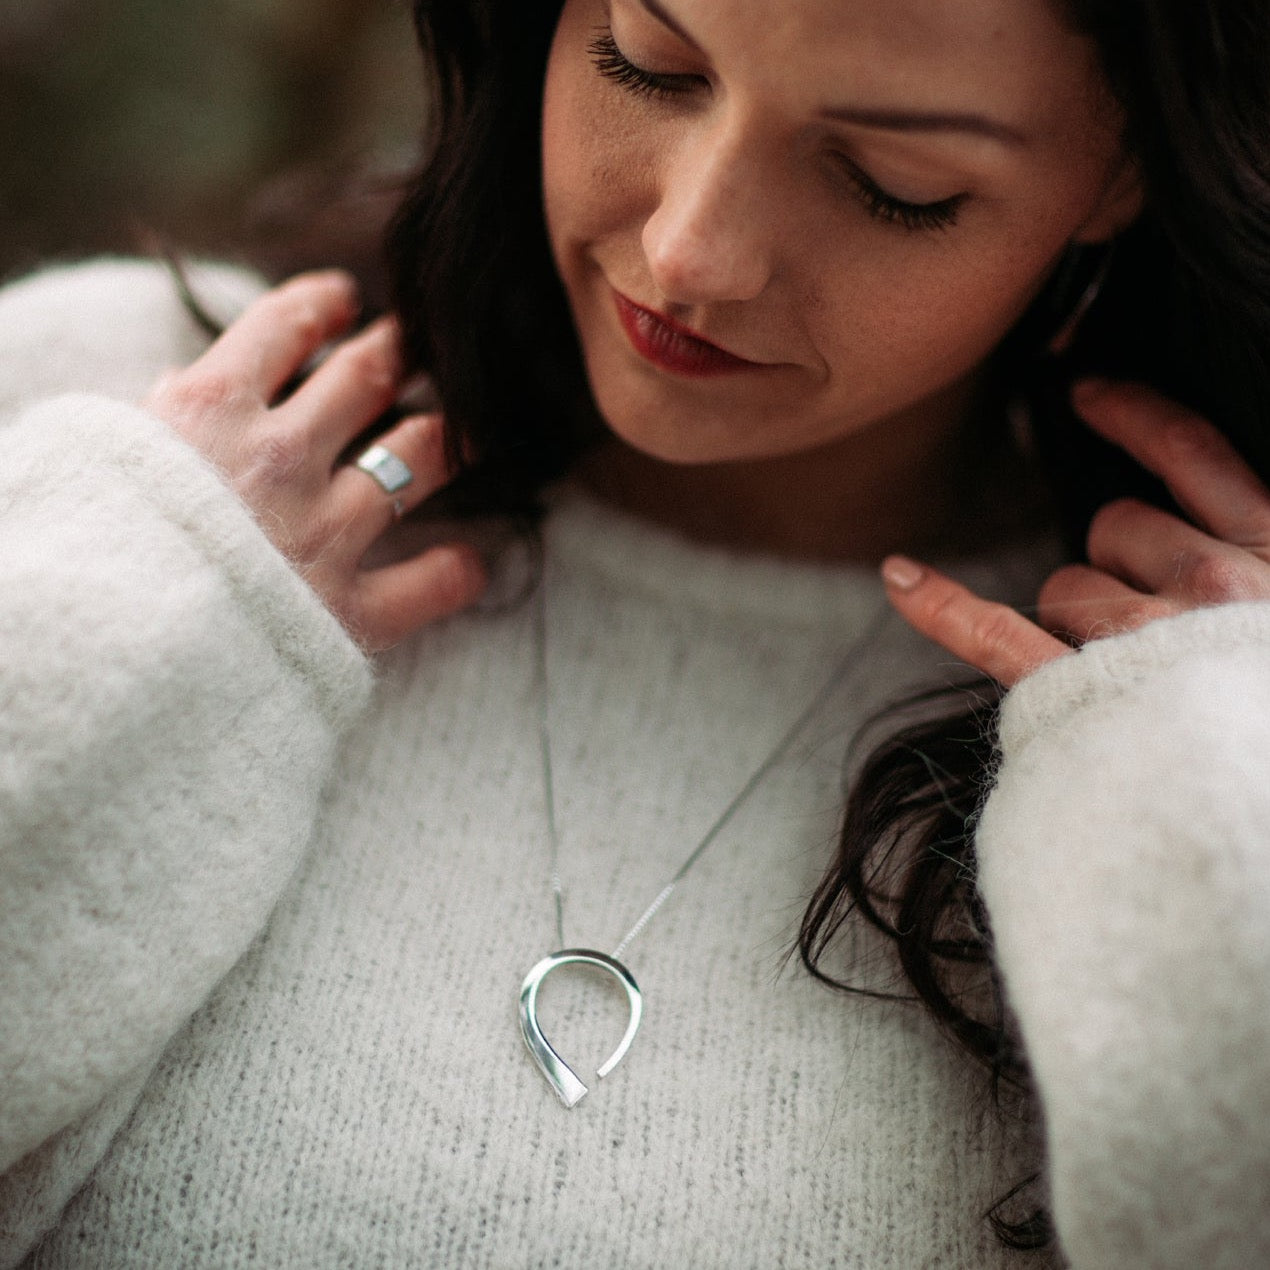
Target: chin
{"x": 652, "y": 416}
{"x": 693, "y": 441}
{"x": 669, "y": 446}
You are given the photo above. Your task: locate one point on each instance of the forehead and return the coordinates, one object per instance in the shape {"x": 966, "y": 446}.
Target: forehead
{"x": 1016, "y": 59}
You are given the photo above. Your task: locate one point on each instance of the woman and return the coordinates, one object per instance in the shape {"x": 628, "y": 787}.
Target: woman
{"x": 261, "y": 940}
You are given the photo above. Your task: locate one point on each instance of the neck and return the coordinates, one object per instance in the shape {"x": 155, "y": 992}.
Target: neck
{"x": 940, "y": 480}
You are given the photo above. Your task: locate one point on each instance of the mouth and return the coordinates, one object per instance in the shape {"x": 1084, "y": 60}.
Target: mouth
{"x": 672, "y": 347}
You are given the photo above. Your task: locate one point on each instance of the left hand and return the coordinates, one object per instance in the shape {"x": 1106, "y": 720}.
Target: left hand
{"x": 1143, "y": 562}
{"x": 282, "y": 453}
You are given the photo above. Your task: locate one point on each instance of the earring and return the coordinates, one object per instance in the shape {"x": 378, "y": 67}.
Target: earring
{"x": 1075, "y": 286}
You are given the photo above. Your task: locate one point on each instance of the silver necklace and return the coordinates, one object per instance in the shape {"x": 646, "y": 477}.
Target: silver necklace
{"x": 559, "y": 1075}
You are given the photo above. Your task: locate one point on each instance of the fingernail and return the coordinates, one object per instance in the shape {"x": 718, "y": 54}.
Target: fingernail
{"x": 901, "y": 573}
{"x": 337, "y": 279}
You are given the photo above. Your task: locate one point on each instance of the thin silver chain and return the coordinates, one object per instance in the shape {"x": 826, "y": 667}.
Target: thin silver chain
{"x": 849, "y": 661}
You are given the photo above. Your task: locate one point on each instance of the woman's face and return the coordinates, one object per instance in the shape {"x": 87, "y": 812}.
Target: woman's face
{"x": 855, "y": 199}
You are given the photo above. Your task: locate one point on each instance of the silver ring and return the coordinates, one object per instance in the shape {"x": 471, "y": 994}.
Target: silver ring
{"x": 385, "y": 469}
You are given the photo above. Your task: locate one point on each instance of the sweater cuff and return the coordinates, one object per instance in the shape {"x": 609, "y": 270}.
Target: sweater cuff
{"x": 191, "y": 495}
{"x": 1104, "y": 669}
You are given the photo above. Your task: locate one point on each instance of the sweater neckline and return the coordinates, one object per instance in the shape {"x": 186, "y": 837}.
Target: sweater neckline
{"x": 584, "y": 533}
{"x": 637, "y": 556}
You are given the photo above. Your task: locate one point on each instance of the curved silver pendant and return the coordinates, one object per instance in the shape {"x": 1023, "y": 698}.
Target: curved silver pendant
{"x": 560, "y": 1076}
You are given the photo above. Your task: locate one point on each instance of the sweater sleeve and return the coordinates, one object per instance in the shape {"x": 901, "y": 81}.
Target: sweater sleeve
{"x": 1125, "y": 861}
{"x": 171, "y": 697}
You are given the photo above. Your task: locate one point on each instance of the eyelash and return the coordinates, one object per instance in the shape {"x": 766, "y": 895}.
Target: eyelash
{"x": 611, "y": 63}
{"x": 896, "y": 211}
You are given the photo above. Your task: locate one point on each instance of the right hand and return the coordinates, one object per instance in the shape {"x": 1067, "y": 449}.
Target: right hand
{"x": 283, "y": 459}
{"x": 1144, "y": 563}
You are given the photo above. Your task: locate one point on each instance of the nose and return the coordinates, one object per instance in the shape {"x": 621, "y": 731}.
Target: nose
{"x": 710, "y": 240}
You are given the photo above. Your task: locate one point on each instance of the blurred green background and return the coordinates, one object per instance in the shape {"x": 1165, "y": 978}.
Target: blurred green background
{"x": 217, "y": 123}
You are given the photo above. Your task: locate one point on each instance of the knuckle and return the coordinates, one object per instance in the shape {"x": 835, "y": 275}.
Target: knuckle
{"x": 1256, "y": 520}
{"x": 366, "y": 362}
{"x": 161, "y": 389}
{"x": 1185, "y": 438}
{"x": 1133, "y": 614}
{"x": 199, "y": 391}
{"x": 1212, "y": 578}
{"x": 312, "y": 542}
{"x": 940, "y": 606}
{"x": 990, "y": 630}
{"x": 281, "y": 454}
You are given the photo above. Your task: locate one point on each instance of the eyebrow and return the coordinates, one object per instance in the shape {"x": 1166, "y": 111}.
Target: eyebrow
{"x": 890, "y": 120}
{"x": 926, "y": 121}
{"x": 667, "y": 21}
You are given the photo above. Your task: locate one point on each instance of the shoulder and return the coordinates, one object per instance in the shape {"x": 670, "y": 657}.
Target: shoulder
{"x": 108, "y": 326}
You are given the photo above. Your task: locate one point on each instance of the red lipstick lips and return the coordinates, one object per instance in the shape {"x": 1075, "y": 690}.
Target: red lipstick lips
{"x": 671, "y": 347}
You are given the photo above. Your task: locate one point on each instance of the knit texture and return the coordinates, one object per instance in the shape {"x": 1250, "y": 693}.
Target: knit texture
{"x": 1135, "y": 935}
{"x": 195, "y": 801}
{"x": 154, "y": 798}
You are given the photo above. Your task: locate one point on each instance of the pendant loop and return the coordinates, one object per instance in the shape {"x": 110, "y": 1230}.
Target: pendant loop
{"x": 560, "y": 1076}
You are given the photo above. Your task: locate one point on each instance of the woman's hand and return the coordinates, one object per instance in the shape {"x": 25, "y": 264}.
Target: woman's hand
{"x": 1143, "y": 562}
{"x": 283, "y": 459}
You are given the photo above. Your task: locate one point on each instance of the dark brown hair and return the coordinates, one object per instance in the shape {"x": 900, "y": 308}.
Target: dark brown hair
{"x": 1185, "y": 306}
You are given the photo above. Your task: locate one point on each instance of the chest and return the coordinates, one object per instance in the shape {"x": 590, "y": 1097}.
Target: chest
{"x": 357, "y": 1092}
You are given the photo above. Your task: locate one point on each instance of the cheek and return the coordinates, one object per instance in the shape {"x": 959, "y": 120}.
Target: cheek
{"x": 596, "y": 185}
{"x": 571, "y": 168}
{"x": 950, "y": 301}
{"x": 910, "y": 317}
{"x": 961, "y": 313}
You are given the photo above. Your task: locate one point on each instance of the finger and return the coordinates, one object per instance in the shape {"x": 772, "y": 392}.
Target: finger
{"x": 1141, "y": 544}
{"x": 277, "y": 334}
{"x": 992, "y": 637}
{"x": 393, "y": 602}
{"x": 1085, "y": 603}
{"x": 349, "y": 391}
{"x": 419, "y": 442}
{"x": 1159, "y": 553}
{"x": 1211, "y": 483}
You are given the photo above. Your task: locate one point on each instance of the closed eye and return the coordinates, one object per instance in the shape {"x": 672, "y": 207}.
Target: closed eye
{"x": 613, "y": 64}
{"x": 897, "y": 211}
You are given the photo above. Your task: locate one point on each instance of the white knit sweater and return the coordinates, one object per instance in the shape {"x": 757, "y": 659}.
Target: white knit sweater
{"x": 265, "y": 908}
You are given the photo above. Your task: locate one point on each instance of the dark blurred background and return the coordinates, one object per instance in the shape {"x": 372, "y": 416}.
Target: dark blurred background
{"x": 246, "y": 127}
